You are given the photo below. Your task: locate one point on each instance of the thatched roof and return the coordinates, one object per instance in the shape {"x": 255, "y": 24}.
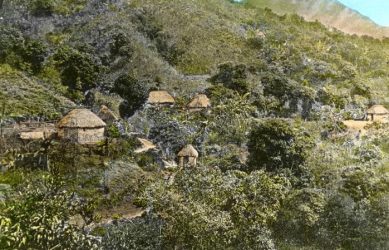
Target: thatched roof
{"x": 377, "y": 110}
{"x": 81, "y": 118}
{"x": 146, "y": 145}
{"x": 106, "y": 114}
{"x": 160, "y": 97}
{"x": 188, "y": 151}
{"x": 32, "y": 135}
{"x": 200, "y": 101}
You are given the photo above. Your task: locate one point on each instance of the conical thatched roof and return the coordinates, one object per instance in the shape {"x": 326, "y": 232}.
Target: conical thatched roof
{"x": 200, "y": 101}
{"x": 81, "y": 118}
{"x": 377, "y": 110}
{"x": 106, "y": 114}
{"x": 160, "y": 97}
{"x": 188, "y": 151}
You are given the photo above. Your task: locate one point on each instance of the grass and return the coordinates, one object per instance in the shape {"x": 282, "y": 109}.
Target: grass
{"x": 23, "y": 95}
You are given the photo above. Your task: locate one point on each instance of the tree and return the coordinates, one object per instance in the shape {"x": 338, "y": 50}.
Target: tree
{"x": 133, "y": 91}
{"x": 79, "y": 71}
{"x": 277, "y": 145}
{"x": 298, "y": 218}
{"x": 11, "y": 42}
{"x": 34, "y": 52}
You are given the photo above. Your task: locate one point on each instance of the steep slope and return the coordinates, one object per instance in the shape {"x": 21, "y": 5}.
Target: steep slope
{"x": 178, "y": 45}
{"x": 330, "y": 12}
{"x": 25, "y": 96}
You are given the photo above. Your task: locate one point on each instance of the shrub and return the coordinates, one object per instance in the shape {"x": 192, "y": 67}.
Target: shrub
{"x": 38, "y": 218}
{"x": 79, "y": 71}
{"x": 42, "y": 7}
{"x": 232, "y": 76}
{"x": 276, "y": 144}
{"x": 133, "y": 91}
{"x": 35, "y": 53}
{"x": 11, "y": 41}
{"x": 120, "y": 45}
{"x": 141, "y": 233}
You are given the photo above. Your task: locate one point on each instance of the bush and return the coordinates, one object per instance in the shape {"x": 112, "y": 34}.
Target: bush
{"x": 35, "y": 53}
{"x": 232, "y": 76}
{"x": 120, "y": 45}
{"x": 133, "y": 91}
{"x": 79, "y": 71}
{"x": 11, "y": 42}
{"x": 42, "y": 7}
{"x": 140, "y": 233}
{"x": 276, "y": 144}
{"x": 38, "y": 218}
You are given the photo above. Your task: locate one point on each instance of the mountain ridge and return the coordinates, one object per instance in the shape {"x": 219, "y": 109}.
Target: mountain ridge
{"x": 331, "y": 13}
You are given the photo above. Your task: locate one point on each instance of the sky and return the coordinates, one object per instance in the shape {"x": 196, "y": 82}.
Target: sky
{"x": 377, "y": 10}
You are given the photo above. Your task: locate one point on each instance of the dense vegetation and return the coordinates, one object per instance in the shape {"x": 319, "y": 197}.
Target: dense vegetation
{"x": 277, "y": 169}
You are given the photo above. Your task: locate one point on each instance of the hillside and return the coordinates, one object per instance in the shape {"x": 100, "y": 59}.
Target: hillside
{"x": 224, "y": 126}
{"x": 182, "y": 48}
{"x": 329, "y": 12}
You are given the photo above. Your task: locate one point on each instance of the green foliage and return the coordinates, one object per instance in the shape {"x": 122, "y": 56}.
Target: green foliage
{"x": 299, "y": 216}
{"x": 113, "y": 131}
{"x": 35, "y": 53}
{"x": 139, "y": 234}
{"x": 277, "y": 145}
{"x": 42, "y": 7}
{"x": 164, "y": 42}
{"x": 350, "y": 225}
{"x": 79, "y": 71}
{"x": 168, "y": 49}
{"x": 133, "y": 91}
{"x": 38, "y": 218}
{"x": 11, "y": 41}
{"x": 26, "y": 54}
{"x": 230, "y": 119}
{"x": 205, "y": 209}
{"x": 120, "y": 45}
{"x": 232, "y": 77}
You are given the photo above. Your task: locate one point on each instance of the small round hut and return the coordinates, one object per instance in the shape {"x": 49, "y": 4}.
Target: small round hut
{"x": 199, "y": 102}
{"x": 377, "y": 113}
{"x": 187, "y": 156}
{"x": 81, "y": 126}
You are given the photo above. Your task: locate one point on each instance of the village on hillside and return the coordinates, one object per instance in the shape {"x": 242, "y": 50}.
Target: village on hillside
{"x": 83, "y": 127}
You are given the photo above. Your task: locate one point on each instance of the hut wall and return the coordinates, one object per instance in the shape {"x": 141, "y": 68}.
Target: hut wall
{"x": 70, "y": 134}
{"x": 187, "y": 161}
{"x": 379, "y": 117}
{"x": 90, "y": 136}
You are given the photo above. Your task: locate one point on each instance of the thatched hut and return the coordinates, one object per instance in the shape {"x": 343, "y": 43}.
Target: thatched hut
{"x": 107, "y": 115}
{"x": 377, "y": 113}
{"x": 188, "y": 156}
{"x": 199, "y": 102}
{"x": 160, "y": 97}
{"x": 81, "y": 126}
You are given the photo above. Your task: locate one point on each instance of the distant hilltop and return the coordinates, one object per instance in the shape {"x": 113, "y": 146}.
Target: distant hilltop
{"x": 331, "y": 13}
